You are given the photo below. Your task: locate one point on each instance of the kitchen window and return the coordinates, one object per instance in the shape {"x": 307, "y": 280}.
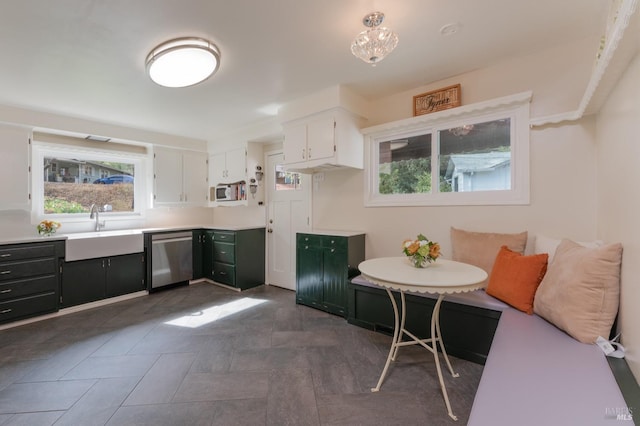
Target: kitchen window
{"x": 471, "y": 155}
{"x": 69, "y": 177}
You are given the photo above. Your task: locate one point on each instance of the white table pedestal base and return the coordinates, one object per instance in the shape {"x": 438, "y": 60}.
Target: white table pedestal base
{"x": 430, "y": 344}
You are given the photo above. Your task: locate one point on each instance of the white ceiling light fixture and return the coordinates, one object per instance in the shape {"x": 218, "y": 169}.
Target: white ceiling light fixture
{"x": 374, "y": 44}
{"x": 183, "y": 62}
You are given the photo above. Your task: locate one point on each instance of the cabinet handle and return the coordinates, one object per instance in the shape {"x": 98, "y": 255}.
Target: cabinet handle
{"x": 6, "y": 311}
{"x": 5, "y": 255}
{"x": 223, "y": 273}
{"x": 109, "y": 263}
{"x": 309, "y": 153}
{"x": 5, "y": 272}
{"x": 5, "y": 291}
{"x": 303, "y": 154}
{"x": 223, "y": 252}
{"x": 332, "y": 250}
{"x": 333, "y": 242}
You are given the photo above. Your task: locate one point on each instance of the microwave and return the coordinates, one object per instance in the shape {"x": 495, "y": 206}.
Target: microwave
{"x": 227, "y": 192}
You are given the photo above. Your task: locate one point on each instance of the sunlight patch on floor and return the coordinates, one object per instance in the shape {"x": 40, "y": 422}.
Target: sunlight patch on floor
{"x": 214, "y": 313}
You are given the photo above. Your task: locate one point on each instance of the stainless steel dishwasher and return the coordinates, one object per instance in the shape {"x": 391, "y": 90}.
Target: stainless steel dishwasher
{"x": 171, "y": 258}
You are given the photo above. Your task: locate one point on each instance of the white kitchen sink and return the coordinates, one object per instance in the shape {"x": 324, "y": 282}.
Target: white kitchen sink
{"x": 90, "y": 245}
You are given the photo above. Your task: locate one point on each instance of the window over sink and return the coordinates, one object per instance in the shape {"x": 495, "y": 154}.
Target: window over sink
{"x": 68, "y": 178}
{"x": 472, "y": 155}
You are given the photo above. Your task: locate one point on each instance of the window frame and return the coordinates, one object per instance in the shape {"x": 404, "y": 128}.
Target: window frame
{"x": 515, "y": 108}
{"x": 40, "y": 150}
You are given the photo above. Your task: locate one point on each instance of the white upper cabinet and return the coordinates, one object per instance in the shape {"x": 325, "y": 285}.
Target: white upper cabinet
{"x": 14, "y": 174}
{"x": 326, "y": 140}
{"x": 180, "y": 177}
{"x": 229, "y": 166}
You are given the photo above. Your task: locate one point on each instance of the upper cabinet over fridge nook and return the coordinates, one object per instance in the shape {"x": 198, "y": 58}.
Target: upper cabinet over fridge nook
{"x": 235, "y": 176}
{"x": 326, "y": 140}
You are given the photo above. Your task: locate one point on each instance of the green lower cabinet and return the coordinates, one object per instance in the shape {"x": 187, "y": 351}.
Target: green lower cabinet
{"x": 198, "y": 247}
{"x": 125, "y": 274}
{"x": 324, "y": 265}
{"x": 85, "y": 281}
{"x": 309, "y": 273}
{"x": 235, "y": 258}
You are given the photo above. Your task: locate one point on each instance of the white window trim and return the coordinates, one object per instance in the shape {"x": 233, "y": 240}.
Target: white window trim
{"x": 515, "y": 107}
{"x": 43, "y": 149}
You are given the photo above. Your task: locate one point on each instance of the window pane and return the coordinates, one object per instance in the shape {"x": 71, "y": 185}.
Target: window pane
{"x": 476, "y": 157}
{"x": 286, "y": 181}
{"x": 73, "y": 185}
{"x": 405, "y": 165}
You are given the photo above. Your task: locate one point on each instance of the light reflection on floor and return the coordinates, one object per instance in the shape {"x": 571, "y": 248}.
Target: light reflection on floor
{"x": 214, "y": 313}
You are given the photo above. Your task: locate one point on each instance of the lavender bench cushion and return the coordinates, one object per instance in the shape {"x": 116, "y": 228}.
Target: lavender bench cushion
{"x": 536, "y": 374}
{"x": 479, "y": 298}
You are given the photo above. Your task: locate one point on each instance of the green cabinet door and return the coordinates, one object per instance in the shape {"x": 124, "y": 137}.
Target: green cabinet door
{"x": 124, "y": 274}
{"x": 309, "y": 275}
{"x": 198, "y": 247}
{"x": 334, "y": 280}
{"x": 83, "y": 281}
{"x": 207, "y": 254}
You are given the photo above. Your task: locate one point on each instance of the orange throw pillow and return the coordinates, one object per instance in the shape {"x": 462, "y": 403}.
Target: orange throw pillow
{"x": 515, "y": 278}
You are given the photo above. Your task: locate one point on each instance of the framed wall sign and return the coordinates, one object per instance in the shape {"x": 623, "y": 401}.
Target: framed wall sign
{"x": 436, "y": 100}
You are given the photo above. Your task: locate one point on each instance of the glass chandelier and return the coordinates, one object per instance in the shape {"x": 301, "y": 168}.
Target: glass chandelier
{"x": 374, "y": 44}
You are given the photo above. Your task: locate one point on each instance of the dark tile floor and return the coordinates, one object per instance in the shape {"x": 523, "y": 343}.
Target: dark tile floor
{"x": 274, "y": 363}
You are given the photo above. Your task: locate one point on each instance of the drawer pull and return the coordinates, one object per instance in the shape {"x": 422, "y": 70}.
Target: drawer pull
{"x": 6, "y": 311}
{"x": 223, "y": 252}
{"x": 5, "y": 291}
{"x": 5, "y": 255}
{"x": 223, "y": 273}
{"x": 5, "y": 272}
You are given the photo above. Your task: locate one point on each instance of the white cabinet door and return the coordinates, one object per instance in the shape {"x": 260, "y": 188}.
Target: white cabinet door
{"x": 14, "y": 173}
{"x": 217, "y": 168}
{"x": 236, "y": 165}
{"x": 320, "y": 138}
{"x": 195, "y": 185}
{"x": 167, "y": 171}
{"x": 295, "y": 143}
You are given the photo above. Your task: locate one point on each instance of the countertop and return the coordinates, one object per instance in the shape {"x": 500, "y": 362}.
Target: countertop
{"x": 62, "y": 237}
{"x": 337, "y": 233}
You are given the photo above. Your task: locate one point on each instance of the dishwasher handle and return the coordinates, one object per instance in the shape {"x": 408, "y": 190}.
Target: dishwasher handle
{"x": 171, "y": 240}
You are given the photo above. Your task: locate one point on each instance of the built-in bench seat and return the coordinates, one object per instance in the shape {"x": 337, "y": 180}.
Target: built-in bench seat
{"x": 468, "y": 320}
{"x": 534, "y": 373}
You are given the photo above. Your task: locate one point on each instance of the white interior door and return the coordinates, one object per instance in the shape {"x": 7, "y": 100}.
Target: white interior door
{"x": 289, "y": 199}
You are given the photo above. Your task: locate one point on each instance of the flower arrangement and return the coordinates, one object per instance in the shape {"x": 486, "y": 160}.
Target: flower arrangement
{"x": 421, "y": 251}
{"x": 48, "y": 227}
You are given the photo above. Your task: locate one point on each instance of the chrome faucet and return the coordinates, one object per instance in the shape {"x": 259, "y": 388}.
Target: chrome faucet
{"x": 93, "y": 212}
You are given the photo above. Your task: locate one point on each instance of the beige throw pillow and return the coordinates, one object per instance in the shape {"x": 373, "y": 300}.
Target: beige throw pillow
{"x": 581, "y": 291}
{"x": 481, "y": 248}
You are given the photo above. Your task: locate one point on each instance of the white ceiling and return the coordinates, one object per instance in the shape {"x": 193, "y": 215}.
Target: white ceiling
{"x": 85, "y": 58}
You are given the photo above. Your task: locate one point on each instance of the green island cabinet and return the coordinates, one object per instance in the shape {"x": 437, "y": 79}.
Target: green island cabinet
{"x": 29, "y": 279}
{"x": 234, "y": 258}
{"x": 325, "y": 262}
{"x": 85, "y": 281}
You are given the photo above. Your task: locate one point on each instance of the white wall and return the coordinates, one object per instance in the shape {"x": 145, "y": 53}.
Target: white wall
{"x": 563, "y": 202}
{"x": 619, "y": 197}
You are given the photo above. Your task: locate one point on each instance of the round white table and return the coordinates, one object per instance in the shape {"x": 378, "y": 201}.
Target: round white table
{"x": 441, "y": 277}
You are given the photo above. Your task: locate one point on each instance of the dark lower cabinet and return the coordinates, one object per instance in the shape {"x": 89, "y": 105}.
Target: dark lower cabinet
{"x": 85, "y": 281}
{"x": 198, "y": 248}
{"x": 235, "y": 258}
{"x": 29, "y": 279}
{"x": 324, "y": 265}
